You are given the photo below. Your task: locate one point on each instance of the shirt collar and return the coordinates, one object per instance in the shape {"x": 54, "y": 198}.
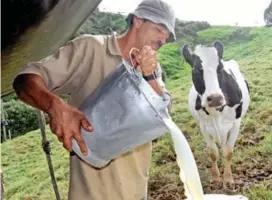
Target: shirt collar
{"x": 113, "y": 46}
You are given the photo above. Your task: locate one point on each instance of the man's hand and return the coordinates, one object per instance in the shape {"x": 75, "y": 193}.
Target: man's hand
{"x": 147, "y": 60}
{"x": 66, "y": 122}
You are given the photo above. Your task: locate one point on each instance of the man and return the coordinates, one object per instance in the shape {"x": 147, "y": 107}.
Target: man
{"x": 78, "y": 68}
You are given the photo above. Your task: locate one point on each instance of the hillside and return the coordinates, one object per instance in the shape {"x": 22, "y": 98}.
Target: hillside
{"x": 106, "y": 22}
{"x": 25, "y": 169}
{"x": 20, "y": 116}
{"x": 252, "y": 158}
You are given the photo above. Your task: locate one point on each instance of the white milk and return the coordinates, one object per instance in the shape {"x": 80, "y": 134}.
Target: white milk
{"x": 188, "y": 169}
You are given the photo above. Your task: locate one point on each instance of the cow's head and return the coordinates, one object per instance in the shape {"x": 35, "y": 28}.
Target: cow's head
{"x": 215, "y": 86}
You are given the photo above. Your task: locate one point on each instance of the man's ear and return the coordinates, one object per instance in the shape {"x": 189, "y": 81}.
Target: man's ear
{"x": 137, "y": 22}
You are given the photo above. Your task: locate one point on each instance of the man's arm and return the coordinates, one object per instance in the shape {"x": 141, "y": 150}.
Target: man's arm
{"x": 156, "y": 87}
{"x": 149, "y": 66}
{"x": 32, "y": 90}
{"x": 160, "y": 90}
{"x": 38, "y": 84}
{"x": 161, "y": 85}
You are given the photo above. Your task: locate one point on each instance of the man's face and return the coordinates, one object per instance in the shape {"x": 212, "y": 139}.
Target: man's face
{"x": 149, "y": 33}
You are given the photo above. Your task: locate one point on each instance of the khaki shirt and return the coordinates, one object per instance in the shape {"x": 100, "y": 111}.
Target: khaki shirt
{"x": 78, "y": 68}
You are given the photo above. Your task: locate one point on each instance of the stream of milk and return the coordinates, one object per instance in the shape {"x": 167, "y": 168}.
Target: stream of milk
{"x": 189, "y": 174}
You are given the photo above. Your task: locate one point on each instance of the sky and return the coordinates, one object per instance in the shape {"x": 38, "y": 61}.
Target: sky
{"x": 216, "y": 12}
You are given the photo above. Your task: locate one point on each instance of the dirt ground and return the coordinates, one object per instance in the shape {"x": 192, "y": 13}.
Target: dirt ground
{"x": 245, "y": 174}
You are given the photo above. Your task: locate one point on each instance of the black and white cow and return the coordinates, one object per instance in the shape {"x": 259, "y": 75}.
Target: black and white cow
{"x": 218, "y": 100}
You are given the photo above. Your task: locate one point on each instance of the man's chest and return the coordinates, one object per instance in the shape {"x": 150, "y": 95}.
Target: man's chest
{"x": 97, "y": 71}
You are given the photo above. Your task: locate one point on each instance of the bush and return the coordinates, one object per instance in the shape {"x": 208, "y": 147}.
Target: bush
{"x": 240, "y": 33}
{"x": 189, "y": 28}
{"x": 10, "y": 97}
{"x": 21, "y": 118}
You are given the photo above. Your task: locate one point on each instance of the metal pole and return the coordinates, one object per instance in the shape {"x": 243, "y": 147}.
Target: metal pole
{"x": 2, "y": 185}
{"x": 47, "y": 150}
{"x": 9, "y": 134}
{"x": 3, "y": 119}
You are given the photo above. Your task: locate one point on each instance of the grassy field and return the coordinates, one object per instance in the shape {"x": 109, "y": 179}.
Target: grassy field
{"x": 25, "y": 168}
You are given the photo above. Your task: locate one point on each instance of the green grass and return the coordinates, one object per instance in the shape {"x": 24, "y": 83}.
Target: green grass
{"x": 25, "y": 168}
{"x": 253, "y": 148}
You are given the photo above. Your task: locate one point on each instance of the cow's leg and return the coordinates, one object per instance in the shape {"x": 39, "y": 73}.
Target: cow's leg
{"x": 228, "y": 151}
{"x": 213, "y": 152}
{"x": 214, "y": 157}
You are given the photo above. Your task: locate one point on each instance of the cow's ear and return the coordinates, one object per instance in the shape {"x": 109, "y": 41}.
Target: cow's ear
{"x": 187, "y": 54}
{"x": 220, "y": 49}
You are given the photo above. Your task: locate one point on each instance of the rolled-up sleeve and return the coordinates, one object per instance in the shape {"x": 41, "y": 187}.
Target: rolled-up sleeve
{"x": 61, "y": 71}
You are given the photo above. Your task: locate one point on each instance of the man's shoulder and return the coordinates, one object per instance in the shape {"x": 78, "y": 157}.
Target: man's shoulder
{"x": 91, "y": 39}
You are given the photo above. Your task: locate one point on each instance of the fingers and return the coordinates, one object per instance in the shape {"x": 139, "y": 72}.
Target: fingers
{"x": 60, "y": 139}
{"x": 59, "y": 135}
{"x": 152, "y": 62}
{"x": 149, "y": 60}
{"x": 144, "y": 57}
{"x": 86, "y": 124}
{"x": 67, "y": 141}
{"x": 81, "y": 143}
{"x": 68, "y": 126}
{"x": 74, "y": 132}
{"x": 149, "y": 66}
{"x": 56, "y": 130}
{"x": 147, "y": 52}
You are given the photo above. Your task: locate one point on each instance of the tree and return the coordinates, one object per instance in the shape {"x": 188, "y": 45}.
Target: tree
{"x": 268, "y": 15}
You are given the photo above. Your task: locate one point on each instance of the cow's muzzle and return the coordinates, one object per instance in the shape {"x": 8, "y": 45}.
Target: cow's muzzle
{"x": 215, "y": 100}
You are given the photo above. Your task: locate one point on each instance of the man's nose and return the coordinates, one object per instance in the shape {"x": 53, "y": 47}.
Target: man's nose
{"x": 163, "y": 40}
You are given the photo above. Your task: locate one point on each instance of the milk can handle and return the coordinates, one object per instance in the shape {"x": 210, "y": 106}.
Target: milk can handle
{"x": 130, "y": 53}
